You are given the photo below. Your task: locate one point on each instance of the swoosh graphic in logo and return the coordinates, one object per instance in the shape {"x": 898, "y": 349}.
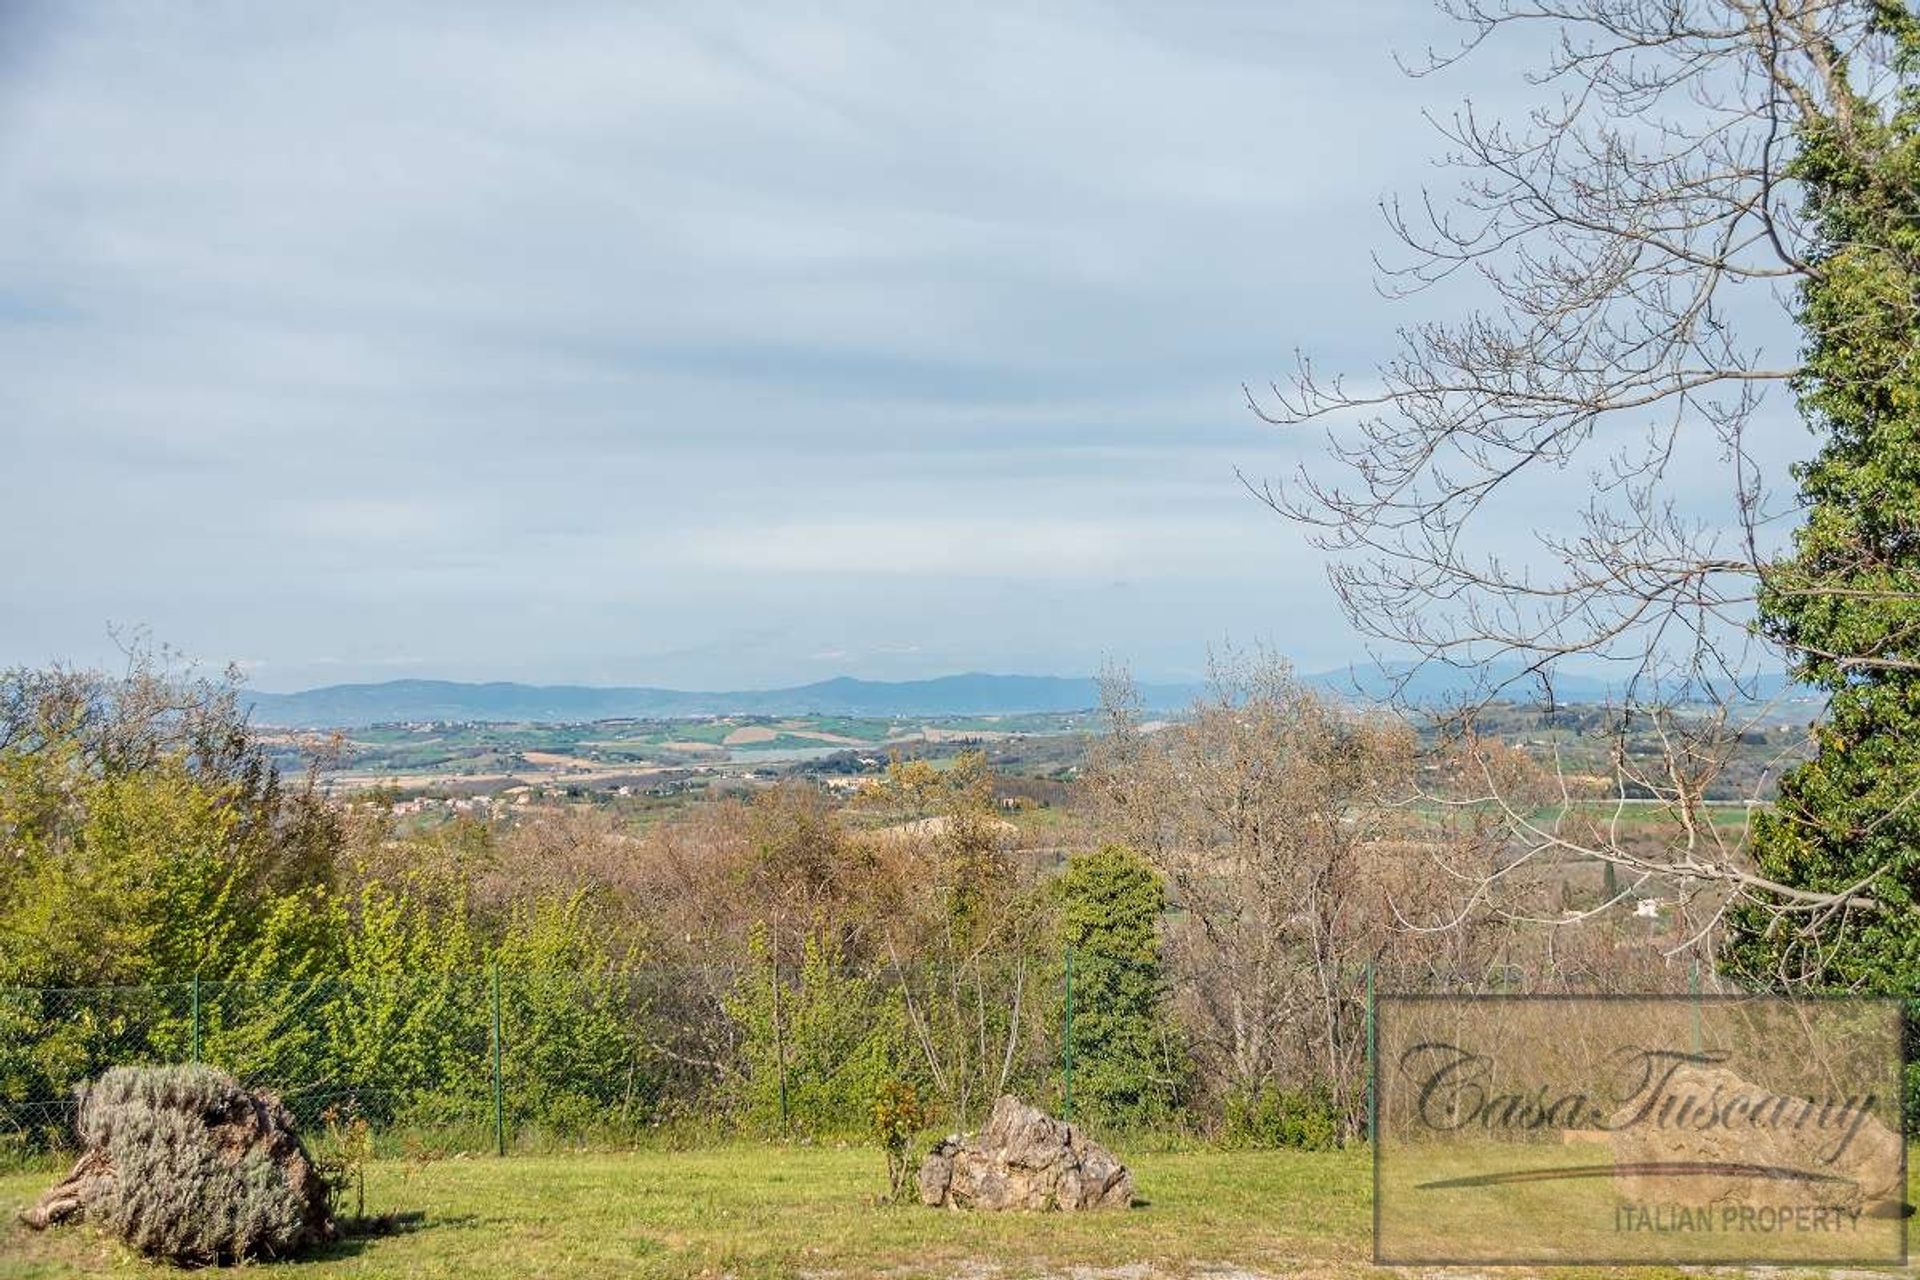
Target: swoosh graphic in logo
{"x": 1640, "y": 1169}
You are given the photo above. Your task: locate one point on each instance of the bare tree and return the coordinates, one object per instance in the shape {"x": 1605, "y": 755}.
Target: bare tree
{"x": 964, "y": 944}
{"x": 1638, "y": 251}
{"x": 1282, "y": 823}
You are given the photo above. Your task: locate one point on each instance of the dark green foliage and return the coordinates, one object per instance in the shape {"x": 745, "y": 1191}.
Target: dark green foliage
{"x": 177, "y": 1193}
{"x": 1305, "y": 1119}
{"x": 1846, "y": 601}
{"x": 1127, "y": 1065}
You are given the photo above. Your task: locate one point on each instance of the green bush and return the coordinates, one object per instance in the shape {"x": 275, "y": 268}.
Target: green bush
{"x": 816, "y": 1045}
{"x": 176, "y": 1194}
{"x": 572, "y": 1023}
{"x": 1127, "y": 1057}
{"x": 1304, "y": 1119}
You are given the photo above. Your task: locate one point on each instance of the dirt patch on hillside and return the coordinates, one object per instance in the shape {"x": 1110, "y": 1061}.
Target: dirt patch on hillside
{"x": 747, "y": 735}
{"x": 554, "y": 760}
{"x": 933, "y": 733}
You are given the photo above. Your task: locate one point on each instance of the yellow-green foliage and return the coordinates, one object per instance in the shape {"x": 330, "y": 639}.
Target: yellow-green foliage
{"x": 577, "y": 1055}
{"x": 143, "y": 840}
{"x": 163, "y": 894}
{"x": 817, "y": 1041}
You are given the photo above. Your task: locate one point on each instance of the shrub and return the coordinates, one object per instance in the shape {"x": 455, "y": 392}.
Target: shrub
{"x": 1305, "y": 1119}
{"x": 897, "y": 1117}
{"x": 191, "y": 1181}
{"x": 816, "y": 1051}
{"x": 1126, "y": 1055}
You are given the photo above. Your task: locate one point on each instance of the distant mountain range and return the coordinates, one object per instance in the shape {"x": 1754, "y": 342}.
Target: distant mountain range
{"x": 354, "y": 705}
{"x": 349, "y": 705}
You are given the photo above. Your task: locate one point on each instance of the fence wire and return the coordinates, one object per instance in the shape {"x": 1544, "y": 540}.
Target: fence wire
{"x": 477, "y": 1061}
{"x": 491, "y": 1060}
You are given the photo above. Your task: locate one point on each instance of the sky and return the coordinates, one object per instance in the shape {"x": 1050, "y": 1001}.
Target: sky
{"x": 701, "y": 345}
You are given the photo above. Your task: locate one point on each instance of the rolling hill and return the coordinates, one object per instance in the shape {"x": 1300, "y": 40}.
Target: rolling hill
{"x": 351, "y": 705}
{"x": 348, "y": 705}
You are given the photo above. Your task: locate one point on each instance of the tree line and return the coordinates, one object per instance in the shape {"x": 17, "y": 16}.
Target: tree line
{"x": 769, "y": 963}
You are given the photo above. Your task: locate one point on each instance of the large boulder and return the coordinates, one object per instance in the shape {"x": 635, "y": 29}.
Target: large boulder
{"x": 186, "y": 1166}
{"x": 1024, "y": 1159}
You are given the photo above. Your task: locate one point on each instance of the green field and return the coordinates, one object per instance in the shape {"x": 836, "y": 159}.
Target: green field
{"x": 424, "y": 755}
{"x": 761, "y": 1211}
{"x": 777, "y": 1211}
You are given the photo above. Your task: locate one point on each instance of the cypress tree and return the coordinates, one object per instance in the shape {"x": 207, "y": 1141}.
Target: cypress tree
{"x": 1845, "y": 601}
{"x": 1125, "y": 1064}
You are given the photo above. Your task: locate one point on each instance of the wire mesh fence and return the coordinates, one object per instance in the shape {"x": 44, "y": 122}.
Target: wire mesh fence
{"x": 490, "y": 1060}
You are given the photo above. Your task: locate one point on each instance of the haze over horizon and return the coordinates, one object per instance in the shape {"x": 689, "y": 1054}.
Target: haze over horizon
{"x": 690, "y": 347}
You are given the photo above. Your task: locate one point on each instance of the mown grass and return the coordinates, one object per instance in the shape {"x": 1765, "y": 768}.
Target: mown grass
{"x": 751, "y": 1211}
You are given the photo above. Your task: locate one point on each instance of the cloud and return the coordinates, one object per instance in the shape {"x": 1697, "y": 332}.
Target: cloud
{"x": 947, "y": 547}
{"x": 678, "y": 342}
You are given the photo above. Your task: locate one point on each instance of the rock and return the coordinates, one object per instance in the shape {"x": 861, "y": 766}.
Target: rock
{"x": 936, "y": 1171}
{"x": 1754, "y": 1160}
{"x": 1024, "y": 1159}
{"x": 186, "y": 1165}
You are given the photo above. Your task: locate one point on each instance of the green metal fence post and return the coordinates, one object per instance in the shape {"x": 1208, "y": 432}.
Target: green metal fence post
{"x": 196, "y": 1016}
{"x": 1373, "y": 1105}
{"x": 499, "y": 1108}
{"x": 1066, "y": 1041}
{"x": 779, "y": 1042}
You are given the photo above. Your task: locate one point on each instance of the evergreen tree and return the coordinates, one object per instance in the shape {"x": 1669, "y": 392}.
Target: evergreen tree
{"x": 1126, "y": 1065}
{"x": 1846, "y": 601}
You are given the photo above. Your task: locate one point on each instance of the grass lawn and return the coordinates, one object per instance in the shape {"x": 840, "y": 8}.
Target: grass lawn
{"x": 752, "y": 1211}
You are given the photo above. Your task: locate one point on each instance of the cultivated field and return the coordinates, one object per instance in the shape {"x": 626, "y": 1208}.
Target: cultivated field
{"x": 761, "y": 1211}
{"x": 416, "y": 755}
